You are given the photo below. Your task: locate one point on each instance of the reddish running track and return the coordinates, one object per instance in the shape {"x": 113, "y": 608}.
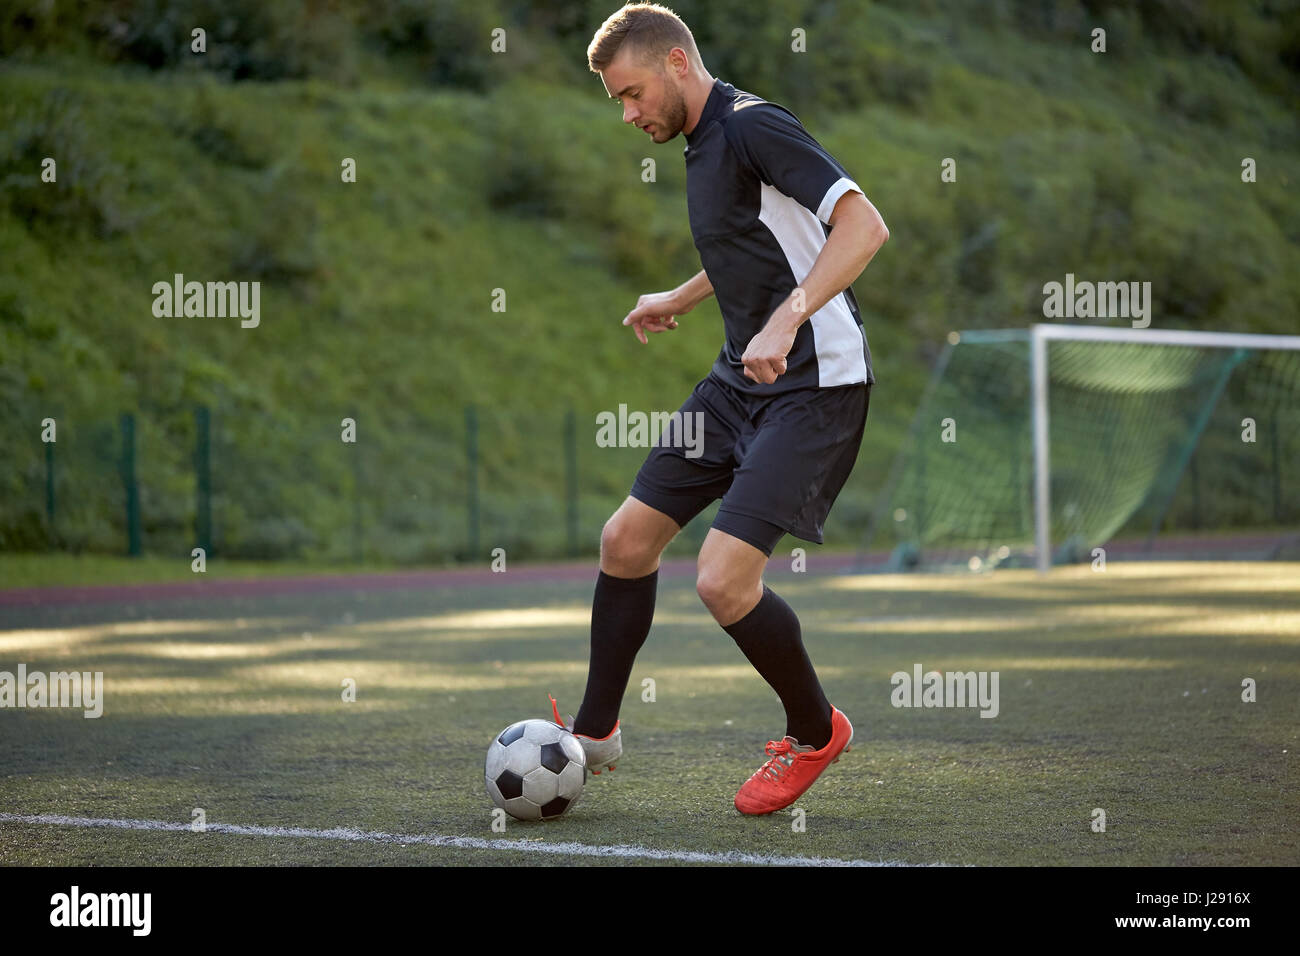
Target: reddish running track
{"x": 377, "y": 581}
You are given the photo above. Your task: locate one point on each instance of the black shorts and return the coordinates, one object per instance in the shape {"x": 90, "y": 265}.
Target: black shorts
{"x": 776, "y": 461}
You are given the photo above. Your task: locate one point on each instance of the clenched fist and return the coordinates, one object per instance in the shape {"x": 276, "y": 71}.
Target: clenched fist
{"x": 765, "y": 358}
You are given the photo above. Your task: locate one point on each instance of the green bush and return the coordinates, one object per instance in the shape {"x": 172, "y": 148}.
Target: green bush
{"x": 87, "y": 192}
{"x": 220, "y": 135}
{"x": 448, "y": 41}
{"x": 283, "y": 243}
{"x": 245, "y": 39}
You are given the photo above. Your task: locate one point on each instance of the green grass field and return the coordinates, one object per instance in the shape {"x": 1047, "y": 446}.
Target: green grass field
{"x": 1118, "y": 690}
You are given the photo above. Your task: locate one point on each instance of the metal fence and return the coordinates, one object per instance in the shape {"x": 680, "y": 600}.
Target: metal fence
{"x": 364, "y": 485}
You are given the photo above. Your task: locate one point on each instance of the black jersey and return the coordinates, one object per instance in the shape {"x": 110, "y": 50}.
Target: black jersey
{"x": 759, "y": 191}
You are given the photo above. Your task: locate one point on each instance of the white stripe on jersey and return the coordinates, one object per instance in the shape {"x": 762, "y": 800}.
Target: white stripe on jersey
{"x": 841, "y": 358}
{"x": 838, "y": 189}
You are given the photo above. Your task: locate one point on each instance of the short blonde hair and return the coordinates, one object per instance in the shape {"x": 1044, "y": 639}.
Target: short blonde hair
{"x": 649, "y": 30}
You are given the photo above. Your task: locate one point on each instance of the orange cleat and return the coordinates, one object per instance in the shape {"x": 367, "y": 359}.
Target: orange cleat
{"x": 792, "y": 769}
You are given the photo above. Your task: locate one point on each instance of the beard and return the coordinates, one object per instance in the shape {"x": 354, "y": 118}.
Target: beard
{"x": 674, "y": 113}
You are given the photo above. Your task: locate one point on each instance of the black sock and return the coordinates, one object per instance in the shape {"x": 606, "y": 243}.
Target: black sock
{"x": 621, "y": 612}
{"x": 770, "y": 637}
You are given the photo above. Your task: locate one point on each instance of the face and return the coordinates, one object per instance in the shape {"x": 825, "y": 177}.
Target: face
{"x": 651, "y": 95}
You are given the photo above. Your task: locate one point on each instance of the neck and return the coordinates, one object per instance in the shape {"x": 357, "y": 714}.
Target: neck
{"x": 696, "y": 96}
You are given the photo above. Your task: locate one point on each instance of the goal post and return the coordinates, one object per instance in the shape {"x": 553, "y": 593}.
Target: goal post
{"x": 1066, "y": 435}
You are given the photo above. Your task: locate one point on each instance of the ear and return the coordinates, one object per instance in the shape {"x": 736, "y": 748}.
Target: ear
{"x": 679, "y": 62}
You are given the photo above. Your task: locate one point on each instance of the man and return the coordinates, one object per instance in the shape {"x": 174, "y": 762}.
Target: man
{"x": 783, "y": 408}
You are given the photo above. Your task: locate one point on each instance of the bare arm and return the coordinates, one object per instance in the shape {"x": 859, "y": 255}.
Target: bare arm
{"x": 692, "y": 292}
{"x": 857, "y": 234}
{"x": 658, "y": 311}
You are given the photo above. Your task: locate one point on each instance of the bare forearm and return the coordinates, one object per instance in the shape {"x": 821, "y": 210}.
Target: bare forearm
{"x": 693, "y": 291}
{"x": 857, "y": 233}
{"x": 848, "y": 249}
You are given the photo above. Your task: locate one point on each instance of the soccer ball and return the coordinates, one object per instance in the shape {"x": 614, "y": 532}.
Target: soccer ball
{"x": 535, "y": 770}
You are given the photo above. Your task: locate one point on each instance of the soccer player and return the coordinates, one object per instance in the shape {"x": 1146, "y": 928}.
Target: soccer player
{"x": 783, "y": 408}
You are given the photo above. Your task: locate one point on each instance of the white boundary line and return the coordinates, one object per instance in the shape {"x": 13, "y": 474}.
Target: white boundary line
{"x": 465, "y": 843}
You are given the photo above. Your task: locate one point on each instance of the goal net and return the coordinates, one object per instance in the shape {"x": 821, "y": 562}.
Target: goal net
{"x": 1034, "y": 446}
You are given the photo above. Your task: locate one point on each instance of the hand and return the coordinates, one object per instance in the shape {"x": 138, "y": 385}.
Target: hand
{"x": 765, "y": 358}
{"x": 655, "y": 312}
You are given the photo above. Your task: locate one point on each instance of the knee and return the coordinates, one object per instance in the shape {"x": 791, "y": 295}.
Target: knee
{"x": 724, "y": 597}
{"x": 623, "y": 552}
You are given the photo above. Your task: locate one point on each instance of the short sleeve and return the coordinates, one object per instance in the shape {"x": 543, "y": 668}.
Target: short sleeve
{"x": 773, "y": 143}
